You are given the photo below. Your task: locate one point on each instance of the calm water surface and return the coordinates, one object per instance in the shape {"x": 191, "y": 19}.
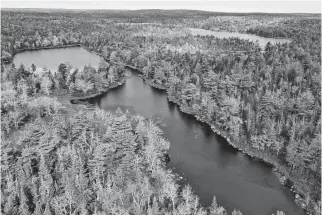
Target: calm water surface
{"x": 204, "y": 159}
{"x": 51, "y": 58}
{"x": 225, "y": 34}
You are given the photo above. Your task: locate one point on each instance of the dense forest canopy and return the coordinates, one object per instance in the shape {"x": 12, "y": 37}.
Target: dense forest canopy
{"x": 267, "y": 101}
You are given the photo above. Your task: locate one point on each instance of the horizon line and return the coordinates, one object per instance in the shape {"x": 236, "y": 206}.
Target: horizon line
{"x": 115, "y": 9}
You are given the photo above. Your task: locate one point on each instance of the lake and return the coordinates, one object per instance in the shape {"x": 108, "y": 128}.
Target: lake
{"x": 78, "y": 57}
{"x": 225, "y": 34}
{"x": 204, "y": 159}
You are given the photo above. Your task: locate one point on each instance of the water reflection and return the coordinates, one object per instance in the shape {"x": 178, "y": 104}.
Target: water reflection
{"x": 205, "y": 160}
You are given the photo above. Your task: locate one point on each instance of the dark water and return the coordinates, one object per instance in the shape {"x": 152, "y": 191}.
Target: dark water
{"x": 207, "y": 162}
{"x": 204, "y": 159}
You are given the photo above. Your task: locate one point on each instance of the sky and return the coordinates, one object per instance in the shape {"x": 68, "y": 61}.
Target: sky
{"x": 273, "y": 6}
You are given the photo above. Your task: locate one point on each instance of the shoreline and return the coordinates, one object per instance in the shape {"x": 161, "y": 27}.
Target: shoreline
{"x": 37, "y": 49}
{"x": 73, "y": 99}
{"x": 281, "y": 174}
{"x": 244, "y": 32}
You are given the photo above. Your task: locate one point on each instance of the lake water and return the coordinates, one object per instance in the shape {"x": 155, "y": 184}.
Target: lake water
{"x": 204, "y": 159}
{"x": 78, "y": 57}
{"x": 225, "y": 34}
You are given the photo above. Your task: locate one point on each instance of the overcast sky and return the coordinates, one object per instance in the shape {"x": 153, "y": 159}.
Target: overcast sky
{"x": 219, "y": 6}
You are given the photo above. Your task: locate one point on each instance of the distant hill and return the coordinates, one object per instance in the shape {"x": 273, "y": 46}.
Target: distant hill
{"x": 153, "y": 13}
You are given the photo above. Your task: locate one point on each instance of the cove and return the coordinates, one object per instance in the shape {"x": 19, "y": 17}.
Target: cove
{"x": 204, "y": 159}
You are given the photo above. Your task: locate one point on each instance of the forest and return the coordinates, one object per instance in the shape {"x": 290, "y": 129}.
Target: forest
{"x": 265, "y": 101}
{"x": 58, "y": 158}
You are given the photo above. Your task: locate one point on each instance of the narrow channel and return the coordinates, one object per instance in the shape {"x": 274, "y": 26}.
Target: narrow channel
{"x": 202, "y": 158}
